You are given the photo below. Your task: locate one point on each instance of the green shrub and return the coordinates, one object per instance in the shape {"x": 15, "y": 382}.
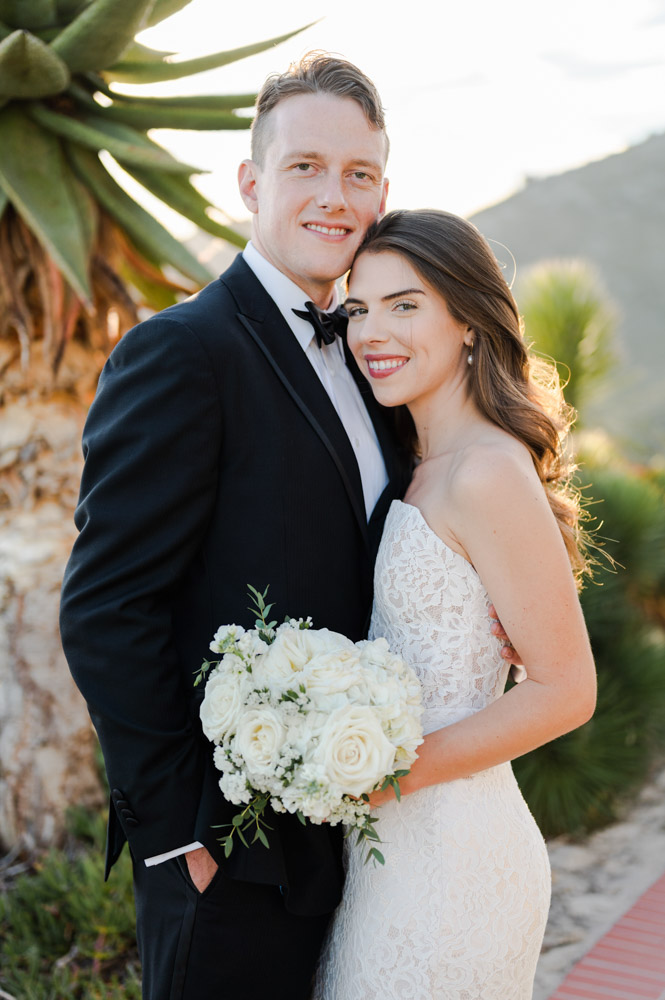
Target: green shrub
{"x": 579, "y": 781}
{"x": 65, "y": 934}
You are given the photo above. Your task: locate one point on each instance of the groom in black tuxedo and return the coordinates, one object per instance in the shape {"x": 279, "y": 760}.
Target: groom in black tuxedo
{"x": 228, "y": 444}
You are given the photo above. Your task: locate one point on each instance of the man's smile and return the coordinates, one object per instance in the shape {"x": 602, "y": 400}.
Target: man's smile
{"x": 316, "y": 227}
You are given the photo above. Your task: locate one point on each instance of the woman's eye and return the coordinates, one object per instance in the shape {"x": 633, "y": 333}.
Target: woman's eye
{"x": 404, "y": 306}
{"x": 354, "y": 311}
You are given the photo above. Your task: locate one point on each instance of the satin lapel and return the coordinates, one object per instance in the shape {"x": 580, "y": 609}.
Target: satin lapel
{"x": 264, "y": 323}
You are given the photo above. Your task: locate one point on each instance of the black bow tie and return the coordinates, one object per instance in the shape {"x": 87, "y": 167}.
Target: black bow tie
{"x": 327, "y": 325}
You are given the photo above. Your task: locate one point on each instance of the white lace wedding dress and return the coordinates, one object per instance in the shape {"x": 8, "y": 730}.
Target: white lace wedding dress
{"x": 459, "y": 910}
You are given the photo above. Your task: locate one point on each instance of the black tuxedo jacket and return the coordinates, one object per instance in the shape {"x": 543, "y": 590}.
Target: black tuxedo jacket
{"x": 213, "y": 459}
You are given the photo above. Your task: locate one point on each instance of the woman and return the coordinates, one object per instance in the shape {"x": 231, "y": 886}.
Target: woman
{"x": 459, "y": 910}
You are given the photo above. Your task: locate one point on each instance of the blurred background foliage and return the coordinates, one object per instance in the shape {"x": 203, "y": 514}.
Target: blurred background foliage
{"x": 584, "y": 779}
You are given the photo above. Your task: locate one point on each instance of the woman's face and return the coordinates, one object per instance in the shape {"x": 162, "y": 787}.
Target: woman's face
{"x": 401, "y": 332}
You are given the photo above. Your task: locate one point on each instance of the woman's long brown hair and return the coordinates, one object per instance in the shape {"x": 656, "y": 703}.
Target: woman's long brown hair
{"x": 511, "y": 387}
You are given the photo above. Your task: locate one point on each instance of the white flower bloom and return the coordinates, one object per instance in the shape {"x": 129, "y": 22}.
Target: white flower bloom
{"x": 259, "y": 738}
{"x": 234, "y": 788}
{"x": 354, "y": 750}
{"x": 223, "y": 701}
{"x": 225, "y": 636}
{"x": 334, "y": 679}
{"x": 280, "y": 666}
{"x": 405, "y": 733}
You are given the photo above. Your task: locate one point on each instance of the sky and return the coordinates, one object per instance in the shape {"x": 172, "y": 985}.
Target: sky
{"x": 479, "y": 95}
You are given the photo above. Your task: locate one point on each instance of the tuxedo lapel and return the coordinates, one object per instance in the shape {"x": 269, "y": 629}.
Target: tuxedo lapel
{"x": 264, "y": 323}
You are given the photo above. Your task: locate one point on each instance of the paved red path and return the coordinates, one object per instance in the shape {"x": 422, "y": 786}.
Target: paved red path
{"x": 628, "y": 963}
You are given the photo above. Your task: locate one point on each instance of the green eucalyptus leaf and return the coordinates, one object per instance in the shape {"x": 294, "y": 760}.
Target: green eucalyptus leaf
{"x": 35, "y": 175}
{"x": 29, "y": 68}
{"x": 124, "y": 143}
{"x": 150, "y": 72}
{"x": 145, "y": 232}
{"x": 99, "y": 35}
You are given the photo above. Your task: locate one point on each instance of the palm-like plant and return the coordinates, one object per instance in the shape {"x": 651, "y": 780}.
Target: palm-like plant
{"x": 74, "y": 246}
{"x": 569, "y": 317}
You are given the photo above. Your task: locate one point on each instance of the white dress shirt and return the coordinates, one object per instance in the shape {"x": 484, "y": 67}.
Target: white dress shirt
{"x": 329, "y": 364}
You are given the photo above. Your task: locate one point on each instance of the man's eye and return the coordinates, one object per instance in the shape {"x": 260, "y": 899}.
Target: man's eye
{"x": 360, "y": 175}
{"x": 303, "y": 167}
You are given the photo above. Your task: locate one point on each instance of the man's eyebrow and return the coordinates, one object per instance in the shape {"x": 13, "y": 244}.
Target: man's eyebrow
{"x": 312, "y": 154}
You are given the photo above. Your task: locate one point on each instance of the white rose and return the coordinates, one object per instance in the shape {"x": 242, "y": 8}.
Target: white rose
{"x": 354, "y": 750}
{"x": 406, "y": 734}
{"x": 283, "y": 661}
{"x": 259, "y": 738}
{"x": 334, "y": 679}
{"x": 223, "y": 702}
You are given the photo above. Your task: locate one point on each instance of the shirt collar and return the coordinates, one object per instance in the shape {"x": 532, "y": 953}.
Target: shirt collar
{"x": 286, "y": 295}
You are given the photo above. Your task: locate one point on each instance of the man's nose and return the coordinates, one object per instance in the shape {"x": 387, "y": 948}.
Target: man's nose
{"x": 331, "y": 195}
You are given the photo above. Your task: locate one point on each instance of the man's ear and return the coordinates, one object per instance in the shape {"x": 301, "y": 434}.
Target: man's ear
{"x": 247, "y": 181}
{"x": 384, "y": 197}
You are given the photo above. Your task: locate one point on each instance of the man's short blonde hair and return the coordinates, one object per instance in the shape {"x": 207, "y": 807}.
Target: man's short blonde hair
{"x": 316, "y": 73}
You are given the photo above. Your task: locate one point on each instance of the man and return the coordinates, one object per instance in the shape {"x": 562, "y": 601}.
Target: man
{"x": 226, "y": 447}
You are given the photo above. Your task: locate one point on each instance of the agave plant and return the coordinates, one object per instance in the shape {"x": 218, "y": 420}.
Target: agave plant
{"x": 569, "y": 316}
{"x": 75, "y": 248}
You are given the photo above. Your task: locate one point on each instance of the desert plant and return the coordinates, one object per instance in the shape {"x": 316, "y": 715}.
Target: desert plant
{"x": 569, "y": 317}
{"x": 75, "y": 248}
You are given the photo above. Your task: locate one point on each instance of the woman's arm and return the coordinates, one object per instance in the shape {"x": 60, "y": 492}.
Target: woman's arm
{"x": 499, "y": 512}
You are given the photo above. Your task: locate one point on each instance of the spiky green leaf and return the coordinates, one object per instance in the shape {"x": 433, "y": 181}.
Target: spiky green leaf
{"x": 37, "y": 179}
{"x": 144, "y": 231}
{"x": 181, "y": 195}
{"x": 150, "y": 72}
{"x": 29, "y": 68}
{"x": 33, "y": 15}
{"x": 146, "y": 115}
{"x": 142, "y": 53}
{"x": 164, "y": 9}
{"x": 68, "y": 9}
{"x": 101, "y": 33}
{"x": 123, "y": 142}
{"x": 204, "y": 102}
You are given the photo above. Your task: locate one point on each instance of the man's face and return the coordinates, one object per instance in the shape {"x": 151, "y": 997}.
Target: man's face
{"x": 319, "y": 188}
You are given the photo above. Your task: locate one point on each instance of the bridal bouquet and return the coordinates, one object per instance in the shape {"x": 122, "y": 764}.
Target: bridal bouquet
{"x": 307, "y": 722}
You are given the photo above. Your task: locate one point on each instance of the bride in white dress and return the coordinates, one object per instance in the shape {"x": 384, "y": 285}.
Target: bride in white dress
{"x": 458, "y": 911}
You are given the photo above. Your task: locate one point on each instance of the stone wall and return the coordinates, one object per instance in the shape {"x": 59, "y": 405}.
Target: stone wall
{"x": 46, "y": 740}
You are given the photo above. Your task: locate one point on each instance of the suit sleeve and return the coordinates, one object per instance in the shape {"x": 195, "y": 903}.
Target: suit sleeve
{"x": 151, "y": 446}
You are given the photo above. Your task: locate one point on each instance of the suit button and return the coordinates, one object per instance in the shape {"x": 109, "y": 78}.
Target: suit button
{"x": 127, "y": 813}
{"x": 131, "y": 821}
{"x": 121, "y": 803}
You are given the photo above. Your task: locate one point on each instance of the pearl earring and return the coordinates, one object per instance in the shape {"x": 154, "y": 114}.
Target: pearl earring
{"x": 470, "y": 355}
